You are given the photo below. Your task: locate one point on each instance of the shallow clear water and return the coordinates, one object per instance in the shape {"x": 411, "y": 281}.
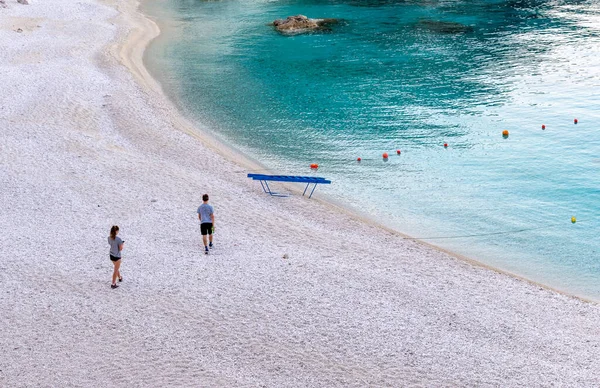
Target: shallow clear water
{"x": 400, "y": 75}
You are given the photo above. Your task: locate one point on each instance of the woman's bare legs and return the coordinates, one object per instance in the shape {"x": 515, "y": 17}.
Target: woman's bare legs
{"x": 116, "y": 272}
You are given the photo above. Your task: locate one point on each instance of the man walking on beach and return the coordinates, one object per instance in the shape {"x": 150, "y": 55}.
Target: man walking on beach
{"x": 206, "y": 215}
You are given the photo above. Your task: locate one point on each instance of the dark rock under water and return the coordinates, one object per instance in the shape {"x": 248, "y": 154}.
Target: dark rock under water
{"x": 444, "y": 27}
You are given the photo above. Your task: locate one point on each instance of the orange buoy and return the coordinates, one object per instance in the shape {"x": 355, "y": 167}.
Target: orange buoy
{"x": 505, "y": 133}
{"x": 575, "y": 121}
{"x": 385, "y": 155}
{"x": 445, "y": 145}
{"x": 358, "y": 159}
{"x": 314, "y": 166}
{"x": 398, "y": 152}
{"x": 543, "y": 126}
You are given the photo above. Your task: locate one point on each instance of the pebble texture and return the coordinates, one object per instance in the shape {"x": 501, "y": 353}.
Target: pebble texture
{"x": 295, "y": 292}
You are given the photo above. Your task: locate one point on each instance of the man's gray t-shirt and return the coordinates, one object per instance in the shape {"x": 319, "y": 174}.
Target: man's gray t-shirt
{"x": 205, "y": 211}
{"x": 114, "y": 246}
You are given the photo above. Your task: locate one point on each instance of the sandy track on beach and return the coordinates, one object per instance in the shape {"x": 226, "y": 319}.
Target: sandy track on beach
{"x": 85, "y": 145}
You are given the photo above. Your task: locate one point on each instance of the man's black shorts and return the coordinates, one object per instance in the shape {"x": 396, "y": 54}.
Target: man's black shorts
{"x": 206, "y": 228}
{"x": 114, "y": 258}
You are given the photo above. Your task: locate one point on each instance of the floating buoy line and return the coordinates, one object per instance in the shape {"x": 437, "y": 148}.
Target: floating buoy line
{"x": 548, "y": 226}
{"x": 386, "y": 155}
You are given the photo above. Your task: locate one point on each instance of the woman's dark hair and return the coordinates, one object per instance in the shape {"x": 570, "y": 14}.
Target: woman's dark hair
{"x": 113, "y": 231}
{"x": 205, "y": 197}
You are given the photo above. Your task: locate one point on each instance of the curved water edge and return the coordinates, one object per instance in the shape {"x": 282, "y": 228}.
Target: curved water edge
{"x": 463, "y": 140}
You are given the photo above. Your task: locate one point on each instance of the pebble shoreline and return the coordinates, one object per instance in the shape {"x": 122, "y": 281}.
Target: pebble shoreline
{"x": 295, "y": 293}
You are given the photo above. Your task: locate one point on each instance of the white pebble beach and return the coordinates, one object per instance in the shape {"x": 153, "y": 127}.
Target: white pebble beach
{"x": 296, "y": 293}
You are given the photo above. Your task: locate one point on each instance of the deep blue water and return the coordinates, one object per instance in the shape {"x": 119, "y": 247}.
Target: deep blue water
{"x": 402, "y": 75}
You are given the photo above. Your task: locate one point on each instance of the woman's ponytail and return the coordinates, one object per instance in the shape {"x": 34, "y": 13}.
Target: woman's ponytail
{"x": 113, "y": 231}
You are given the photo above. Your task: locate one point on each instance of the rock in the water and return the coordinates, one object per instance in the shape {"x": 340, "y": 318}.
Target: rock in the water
{"x": 445, "y": 27}
{"x": 25, "y": 2}
{"x": 2, "y": 4}
{"x": 300, "y": 23}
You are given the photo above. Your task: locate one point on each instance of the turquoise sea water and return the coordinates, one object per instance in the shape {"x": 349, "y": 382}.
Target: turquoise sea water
{"x": 400, "y": 75}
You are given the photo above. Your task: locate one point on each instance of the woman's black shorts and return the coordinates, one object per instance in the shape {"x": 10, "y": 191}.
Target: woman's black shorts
{"x": 206, "y": 228}
{"x": 114, "y": 258}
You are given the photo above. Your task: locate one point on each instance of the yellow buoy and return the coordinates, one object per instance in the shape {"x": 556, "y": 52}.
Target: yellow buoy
{"x": 573, "y": 219}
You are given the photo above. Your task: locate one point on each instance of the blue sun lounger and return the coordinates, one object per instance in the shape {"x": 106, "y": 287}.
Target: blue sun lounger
{"x": 263, "y": 178}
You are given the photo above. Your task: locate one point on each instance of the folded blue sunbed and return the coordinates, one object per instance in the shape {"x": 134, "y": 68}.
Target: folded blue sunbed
{"x": 263, "y": 178}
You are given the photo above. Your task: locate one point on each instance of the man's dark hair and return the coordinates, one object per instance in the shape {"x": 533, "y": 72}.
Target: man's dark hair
{"x": 205, "y": 197}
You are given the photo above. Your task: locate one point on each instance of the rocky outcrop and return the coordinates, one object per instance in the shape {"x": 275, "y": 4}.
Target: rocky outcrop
{"x": 25, "y": 2}
{"x": 301, "y": 23}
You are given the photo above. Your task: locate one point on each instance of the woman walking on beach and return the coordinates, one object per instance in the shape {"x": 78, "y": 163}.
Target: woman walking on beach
{"x": 116, "y": 246}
